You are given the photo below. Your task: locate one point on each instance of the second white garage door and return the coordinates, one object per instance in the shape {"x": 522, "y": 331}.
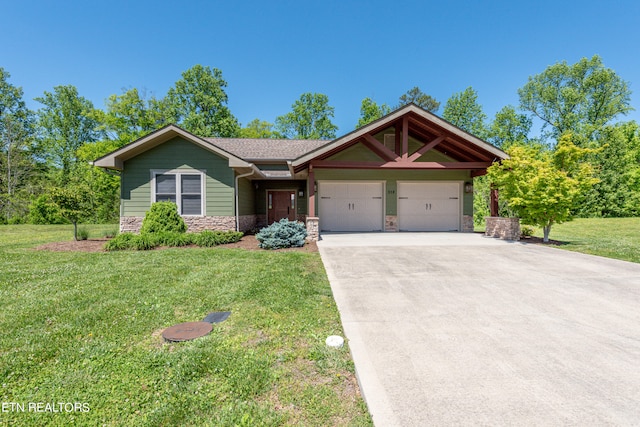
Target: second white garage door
{"x": 429, "y": 206}
{"x": 350, "y": 206}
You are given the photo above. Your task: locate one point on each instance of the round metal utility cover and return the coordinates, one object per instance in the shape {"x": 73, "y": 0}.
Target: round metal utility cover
{"x": 187, "y": 331}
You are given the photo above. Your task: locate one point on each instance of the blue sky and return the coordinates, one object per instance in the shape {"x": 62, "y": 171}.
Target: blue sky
{"x": 271, "y": 52}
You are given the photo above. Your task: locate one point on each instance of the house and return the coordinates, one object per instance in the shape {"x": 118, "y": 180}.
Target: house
{"x": 408, "y": 171}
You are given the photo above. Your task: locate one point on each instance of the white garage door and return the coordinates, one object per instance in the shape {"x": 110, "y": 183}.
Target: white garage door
{"x": 350, "y": 206}
{"x": 429, "y": 206}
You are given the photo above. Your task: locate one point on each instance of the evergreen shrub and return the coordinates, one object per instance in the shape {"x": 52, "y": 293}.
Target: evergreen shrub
{"x": 282, "y": 234}
{"x": 163, "y": 216}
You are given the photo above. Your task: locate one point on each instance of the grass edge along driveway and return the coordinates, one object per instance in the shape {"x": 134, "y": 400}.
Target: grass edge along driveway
{"x": 85, "y": 328}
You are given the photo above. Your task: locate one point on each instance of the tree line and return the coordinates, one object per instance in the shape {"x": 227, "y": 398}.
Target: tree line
{"x": 46, "y": 153}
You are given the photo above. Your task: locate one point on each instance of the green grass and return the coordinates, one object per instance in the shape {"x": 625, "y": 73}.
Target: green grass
{"x": 85, "y": 327}
{"x": 609, "y": 237}
{"x": 617, "y": 238}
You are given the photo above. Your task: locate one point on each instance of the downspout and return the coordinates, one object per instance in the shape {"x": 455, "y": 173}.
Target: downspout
{"x": 238, "y": 197}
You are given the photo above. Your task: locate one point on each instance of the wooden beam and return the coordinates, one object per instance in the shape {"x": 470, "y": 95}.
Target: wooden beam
{"x": 493, "y": 206}
{"x": 476, "y": 173}
{"x": 379, "y": 148}
{"x": 405, "y": 138}
{"x": 425, "y": 148}
{"x": 336, "y": 164}
{"x": 311, "y": 191}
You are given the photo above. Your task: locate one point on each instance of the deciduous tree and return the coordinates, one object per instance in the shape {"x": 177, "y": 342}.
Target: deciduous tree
{"x": 579, "y": 98}
{"x": 257, "y": 128}
{"x": 65, "y": 122}
{"x": 508, "y": 128}
{"x": 16, "y": 162}
{"x": 310, "y": 118}
{"x": 131, "y": 115}
{"x": 544, "y": 188}
{"x": 72, "y": 204}
{"x": 464, "y": 111}
{"x": 617, "y": 165}
{"x": 371, "y": 111}
{"x": 198, "y": 103}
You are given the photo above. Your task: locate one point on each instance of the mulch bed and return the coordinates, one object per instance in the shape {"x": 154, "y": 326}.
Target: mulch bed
{"x": 538, "y": 241}
{"x": 248, "y": 242}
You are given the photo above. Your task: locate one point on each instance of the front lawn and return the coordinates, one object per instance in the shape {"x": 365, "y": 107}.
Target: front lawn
{"x": 84, "y": 328}
{"x": 609, "y": 237}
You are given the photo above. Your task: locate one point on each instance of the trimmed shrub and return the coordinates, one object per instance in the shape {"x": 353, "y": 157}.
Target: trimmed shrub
{"x": 214, "y": 238}
{"x": 144, "y": 242}
{"x": 120, "y": 242}
{"x": 173, "y": 239}
{"x": 282, "y": 234}
{"x": 163, "y": 216}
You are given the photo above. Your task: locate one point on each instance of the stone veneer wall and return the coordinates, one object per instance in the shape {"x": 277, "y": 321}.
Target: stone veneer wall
{"x": 503, "y": 228}
{"x": 391, "y": 223}
{"x": 247, "y": 222}
{"x": 467, "y": 223}
{"x": 132, "y": 224}
{"x": 313, "y": 228}
{"x": 261, "y": 221}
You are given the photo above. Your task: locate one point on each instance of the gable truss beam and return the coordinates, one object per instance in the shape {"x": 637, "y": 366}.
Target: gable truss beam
{"x": 425, "y": 148}
{"x": 336, "y": 164}
{"x": 405, "y": 138}
{"x": 379, "y": 148}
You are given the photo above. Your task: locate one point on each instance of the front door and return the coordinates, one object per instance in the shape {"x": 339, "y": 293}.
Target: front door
{"x": 281, "y": 204}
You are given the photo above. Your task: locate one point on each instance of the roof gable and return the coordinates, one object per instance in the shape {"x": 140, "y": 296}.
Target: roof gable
{"x": 433, "y": 132}
{"x": 116, "y": 159}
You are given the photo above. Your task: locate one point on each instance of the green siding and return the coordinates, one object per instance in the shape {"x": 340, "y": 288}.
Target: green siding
{"x": 177, "y": 154}
{"x": 246, "y": 197}
{"x": 358, "y": 153}
{"x": 434, "y": 156}
{"x": 391, "y": 177}
{"x": 263, "y": 186}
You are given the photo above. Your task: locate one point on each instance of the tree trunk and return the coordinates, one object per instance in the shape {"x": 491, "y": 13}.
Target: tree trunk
{"x": 546, "y": 230}
{"x": 75, "y": 231}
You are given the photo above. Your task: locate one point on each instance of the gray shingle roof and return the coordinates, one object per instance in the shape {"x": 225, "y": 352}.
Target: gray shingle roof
{"x": 267, "y": 149}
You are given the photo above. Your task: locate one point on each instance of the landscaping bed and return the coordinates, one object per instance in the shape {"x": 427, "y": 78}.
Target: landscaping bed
{"x": 247, "y": 242}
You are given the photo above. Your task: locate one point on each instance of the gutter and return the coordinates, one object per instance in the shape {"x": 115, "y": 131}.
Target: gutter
{"x": 254, "y": 169}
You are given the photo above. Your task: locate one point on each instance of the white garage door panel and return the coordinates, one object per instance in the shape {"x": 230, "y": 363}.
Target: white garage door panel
{"x": 350, "y": 206}
{"x": 429, "y": 206}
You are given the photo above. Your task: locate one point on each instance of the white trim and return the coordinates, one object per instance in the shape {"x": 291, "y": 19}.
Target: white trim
{"x": 178, "y": 173}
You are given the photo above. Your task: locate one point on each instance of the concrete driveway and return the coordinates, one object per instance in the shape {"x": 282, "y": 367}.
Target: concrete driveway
{"x": 459, "y": 329}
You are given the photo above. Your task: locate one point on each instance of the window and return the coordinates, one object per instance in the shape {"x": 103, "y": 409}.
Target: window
{"x": 185, "y": 189}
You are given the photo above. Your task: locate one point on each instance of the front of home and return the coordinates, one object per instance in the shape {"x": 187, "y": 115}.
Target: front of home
{"x": 408, "y": 171}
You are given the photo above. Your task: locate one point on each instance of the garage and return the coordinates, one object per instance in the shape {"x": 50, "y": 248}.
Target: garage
{"x": 429, "y": 206}
{"x": 351, "y": 206}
